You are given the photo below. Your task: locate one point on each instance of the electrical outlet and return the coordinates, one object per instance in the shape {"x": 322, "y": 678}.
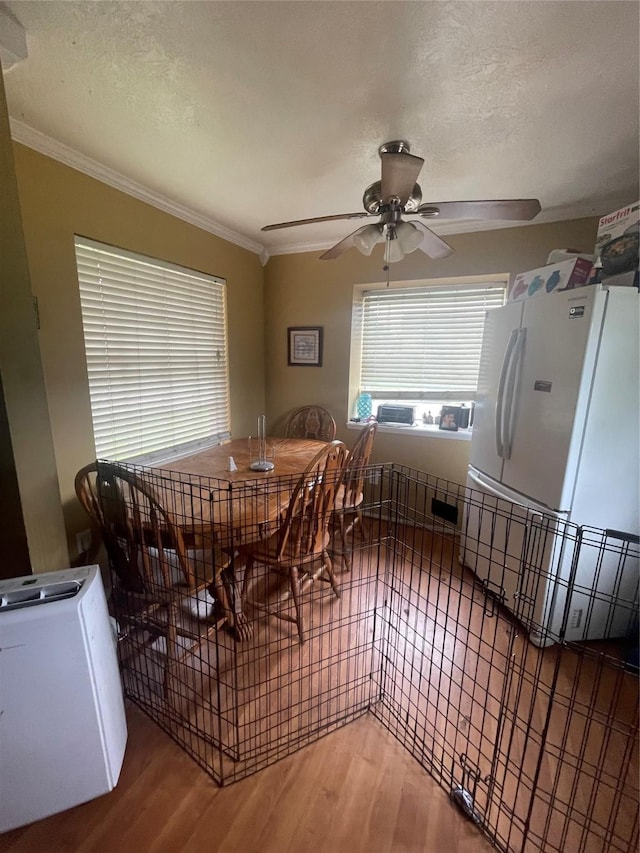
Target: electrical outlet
{"x": 83, "y": 541}
{"x": 576, "y": 618}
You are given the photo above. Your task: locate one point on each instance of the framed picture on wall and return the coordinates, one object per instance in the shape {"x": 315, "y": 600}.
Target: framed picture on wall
{"x": 305, "y": 346}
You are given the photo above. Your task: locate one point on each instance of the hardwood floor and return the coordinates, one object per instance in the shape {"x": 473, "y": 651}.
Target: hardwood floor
{"x": 546, "y": 738}
{"x": 356, "y": 790}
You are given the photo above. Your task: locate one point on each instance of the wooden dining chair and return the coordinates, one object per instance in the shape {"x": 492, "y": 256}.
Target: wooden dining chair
{"x": 161, "y": 585}
{"x": 311, "y": 422}
{"x": 348, "y": 507}
{"x": 298, "y": 550}
{"x": 104, "y": 528}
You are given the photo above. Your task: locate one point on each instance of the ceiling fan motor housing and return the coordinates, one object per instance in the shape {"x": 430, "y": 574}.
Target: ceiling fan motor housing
{"x": 396, "y": 146}
{"x": 372, "y": 199}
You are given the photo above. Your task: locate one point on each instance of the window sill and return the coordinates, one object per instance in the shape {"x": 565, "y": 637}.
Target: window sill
{"x": 419, "y": 429}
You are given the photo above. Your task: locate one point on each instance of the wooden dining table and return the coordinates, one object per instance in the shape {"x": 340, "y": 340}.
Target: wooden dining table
{"x": 290, "y": 456}
{"x": 237, "y": 506}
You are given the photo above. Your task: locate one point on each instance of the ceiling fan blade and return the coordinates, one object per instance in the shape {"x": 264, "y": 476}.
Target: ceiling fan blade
{"x": 432, "y": 245}
{"x": 362, "y": 215}
{"x": 515, "y": 208}
{"x": 399, "y": 175}
{"x": 342, "y": 246}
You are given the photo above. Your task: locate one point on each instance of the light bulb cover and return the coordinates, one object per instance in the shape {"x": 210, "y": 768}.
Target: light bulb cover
{"x": 392, "y": 250}
{"x": 366, "y": 239}
{"x": 408, "y": 236}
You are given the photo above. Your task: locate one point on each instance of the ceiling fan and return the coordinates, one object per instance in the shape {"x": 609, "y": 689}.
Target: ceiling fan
{"x": 398, "y": 194}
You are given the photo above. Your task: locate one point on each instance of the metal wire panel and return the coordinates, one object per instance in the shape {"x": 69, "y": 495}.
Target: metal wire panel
{"x": 537, "y": 743}
{"x": 534, "y": 735}
{"x": 251, "y": 693}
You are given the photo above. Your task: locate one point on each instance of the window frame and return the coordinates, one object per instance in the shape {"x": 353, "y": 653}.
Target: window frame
{"x": 355, "y": 363}
{"x": 172, "y": 290}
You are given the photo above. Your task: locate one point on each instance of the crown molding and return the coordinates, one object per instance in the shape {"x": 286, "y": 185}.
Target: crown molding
{"x": 26, "y": 135}
{"x": 296, "y": 248}
{"x": 13, "y": 40}
{"x": 44, "y": 144}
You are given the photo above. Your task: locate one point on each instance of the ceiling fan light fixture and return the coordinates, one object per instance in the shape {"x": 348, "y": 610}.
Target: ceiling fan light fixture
{"x": 392, "y": 249}
{"x": 408, "y": 236}
{"x": 366, "y": 239}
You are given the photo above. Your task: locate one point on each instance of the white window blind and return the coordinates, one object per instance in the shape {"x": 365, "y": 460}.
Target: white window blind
{"x": 423, "y": 343}
{"x": 156, "y": 347}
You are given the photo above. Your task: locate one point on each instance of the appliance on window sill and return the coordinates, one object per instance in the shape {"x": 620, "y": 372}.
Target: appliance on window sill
{"x": 62, "y": 728}
{"x": 388, "y": 414}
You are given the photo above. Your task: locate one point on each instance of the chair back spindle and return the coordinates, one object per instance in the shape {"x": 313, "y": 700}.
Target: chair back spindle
{"x": 348, "y": 505}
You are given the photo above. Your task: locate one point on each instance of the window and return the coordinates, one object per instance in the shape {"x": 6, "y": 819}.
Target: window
{"x": 156, "y": 347}
{"x": 423, "y": 343}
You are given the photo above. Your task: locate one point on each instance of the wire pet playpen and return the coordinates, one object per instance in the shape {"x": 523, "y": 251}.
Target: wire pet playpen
{"x": 536, "y": 742}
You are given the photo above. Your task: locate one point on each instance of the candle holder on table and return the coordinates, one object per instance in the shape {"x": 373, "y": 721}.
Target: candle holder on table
{"x": 261, "y": 463}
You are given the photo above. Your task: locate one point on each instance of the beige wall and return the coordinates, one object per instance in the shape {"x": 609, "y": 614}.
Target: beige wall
{"x": 58, "y": 202}
{"x": 32, "y": 534}
{"x": 301, "y": 290}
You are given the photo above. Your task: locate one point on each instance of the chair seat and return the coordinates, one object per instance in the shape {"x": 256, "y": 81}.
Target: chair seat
{"x": 267, "y": 552}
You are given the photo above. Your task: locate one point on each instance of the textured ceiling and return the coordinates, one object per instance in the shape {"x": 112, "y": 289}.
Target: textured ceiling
{"x": 248, "y": 113}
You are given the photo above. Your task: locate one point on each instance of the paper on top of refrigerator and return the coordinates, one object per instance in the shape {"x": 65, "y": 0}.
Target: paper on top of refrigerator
{"x": 550, "y": 278}
{"x": 617, "y": 245}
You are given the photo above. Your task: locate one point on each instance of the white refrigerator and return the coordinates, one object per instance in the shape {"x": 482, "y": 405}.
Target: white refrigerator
{"x": 63, "y": 729}
{"x": 555, "y": 444}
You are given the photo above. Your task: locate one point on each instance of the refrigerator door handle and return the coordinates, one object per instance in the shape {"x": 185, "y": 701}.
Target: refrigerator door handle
{"x": 484, "y": 486}
{"x": 504, "y": 372}
{"x": 532, "y": 507}
{"x": 512, "y": 391}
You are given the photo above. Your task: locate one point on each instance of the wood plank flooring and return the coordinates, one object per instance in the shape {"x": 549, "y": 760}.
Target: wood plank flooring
{"x": 356, "y": 791}
{"x": 553, "y": 733}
